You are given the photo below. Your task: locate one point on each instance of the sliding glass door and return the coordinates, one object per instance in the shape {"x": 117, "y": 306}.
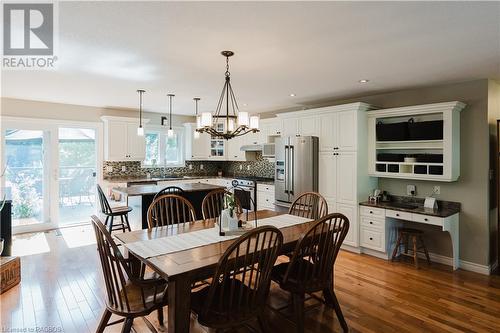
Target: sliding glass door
{"x": 27, "y": 176}
{"x": 52, "y": 172}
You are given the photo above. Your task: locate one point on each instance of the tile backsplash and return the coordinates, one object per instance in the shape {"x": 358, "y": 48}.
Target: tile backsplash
{"x": 261, "y": 167}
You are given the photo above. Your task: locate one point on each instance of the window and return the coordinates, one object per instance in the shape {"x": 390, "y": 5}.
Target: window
{"x": 162, "y": 150}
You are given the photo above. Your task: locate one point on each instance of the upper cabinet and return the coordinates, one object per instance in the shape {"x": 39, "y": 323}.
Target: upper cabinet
{"x": 121, "y": 142}
{"x": 415, "y": 142}
{"x": 197, "y": 146}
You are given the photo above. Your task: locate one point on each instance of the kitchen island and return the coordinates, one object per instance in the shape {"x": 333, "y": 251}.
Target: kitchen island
{"x": 194, "y": 192}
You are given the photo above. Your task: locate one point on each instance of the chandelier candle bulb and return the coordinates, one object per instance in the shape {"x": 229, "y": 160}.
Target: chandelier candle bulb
{"x": 243, "y": 119}
{"x": 254, "y": 122}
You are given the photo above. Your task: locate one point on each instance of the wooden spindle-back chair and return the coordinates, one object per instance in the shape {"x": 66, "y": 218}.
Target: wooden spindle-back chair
{"x": 213, "y": 204}
{"x": 310, "y": 205}
{"x": 240, "y": 285}
{"x": 128, "y": 295}
{"x": 169, "y": 210}
{"x": 110, "y": 213}
{"x": 311, "y": 266}
{"x": 168, "y": 190}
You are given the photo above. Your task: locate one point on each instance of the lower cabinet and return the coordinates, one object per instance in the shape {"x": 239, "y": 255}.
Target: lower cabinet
{"x": 351, "y": 213}
{"x": 372, "y": 233}
{"x": 265, "y": 196}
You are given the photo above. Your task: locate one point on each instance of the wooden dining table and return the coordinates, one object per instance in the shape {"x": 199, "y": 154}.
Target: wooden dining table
{"x": 182, "y": 268}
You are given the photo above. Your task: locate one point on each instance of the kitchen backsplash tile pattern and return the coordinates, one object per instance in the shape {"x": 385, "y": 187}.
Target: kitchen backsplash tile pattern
{"x": 261, "y": 167}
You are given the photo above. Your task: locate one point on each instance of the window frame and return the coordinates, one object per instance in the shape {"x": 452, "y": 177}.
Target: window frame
{"x": 163, "y": 133}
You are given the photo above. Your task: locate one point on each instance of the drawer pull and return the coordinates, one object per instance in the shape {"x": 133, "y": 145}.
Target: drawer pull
{"x": 426, "y": 219}
{"x": 397, "y": 214}
{"x": 371, "y": 211}
{"x": 371, "y": 222}
{"x": 371, "y": 238}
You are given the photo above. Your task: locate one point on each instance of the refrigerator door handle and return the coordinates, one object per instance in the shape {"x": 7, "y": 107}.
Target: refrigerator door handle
{"x": 292, "y": 161}
{"x": 286, "y": 168}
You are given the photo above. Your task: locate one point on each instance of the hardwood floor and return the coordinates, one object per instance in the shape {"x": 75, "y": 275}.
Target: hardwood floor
{"x": 62, "y": 290}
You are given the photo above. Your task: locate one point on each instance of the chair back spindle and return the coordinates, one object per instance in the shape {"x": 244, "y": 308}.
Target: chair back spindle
{"x": 311, "y": 265}
{"x": 213, "y": 204}
{"x": 241, "y": 282}
{"x": 169, "y": 210}
{"x": 310, "y": 205}
{"x": 169, "y": 190}
{"x": 105, "y": 207}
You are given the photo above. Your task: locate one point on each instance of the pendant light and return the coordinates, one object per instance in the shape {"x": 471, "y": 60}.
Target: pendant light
{"x": 198, "y": 119}
{"x": 236, "y": 123}
{"x": 140, "y": 129}
{"x": 170, "y": 132}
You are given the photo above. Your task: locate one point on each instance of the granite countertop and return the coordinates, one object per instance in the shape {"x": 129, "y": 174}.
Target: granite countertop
{"x": 130, "y": 179}
{"x": 153, "y": 189}
{"x": 445, "y": 208}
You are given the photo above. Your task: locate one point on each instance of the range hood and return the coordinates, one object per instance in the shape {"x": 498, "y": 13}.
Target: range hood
{"x": 267, "y": 149}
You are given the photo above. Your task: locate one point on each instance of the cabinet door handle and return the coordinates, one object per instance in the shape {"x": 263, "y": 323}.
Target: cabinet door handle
{"x": 371, "y": 238}
{"x": 426, "y": 219}
{"x": 371, "y": 222}
{"x": 371, "y": 212}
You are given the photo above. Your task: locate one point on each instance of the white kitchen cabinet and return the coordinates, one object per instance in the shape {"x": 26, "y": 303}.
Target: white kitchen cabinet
{"x": 234, "y": 152}
{"x": 346, "y": 177}
{"x": 351, "y": 212}
{"x": 197, "y": 148}
{"x": 328, "y": 132}
{"x": 121, "y": 142}
{"x": 346, "y": 130}
{"x": 328, "y": 176}
{"x": 308, "y": 126}
{"x": 276, "y": 127}
{"x": 291, "y": 127}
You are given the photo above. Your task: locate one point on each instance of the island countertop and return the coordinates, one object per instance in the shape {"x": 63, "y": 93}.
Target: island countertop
{"x": 141, "y": 190}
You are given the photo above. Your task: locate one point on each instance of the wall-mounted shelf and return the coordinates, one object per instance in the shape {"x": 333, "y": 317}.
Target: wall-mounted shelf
{"x": 448, "y": 147}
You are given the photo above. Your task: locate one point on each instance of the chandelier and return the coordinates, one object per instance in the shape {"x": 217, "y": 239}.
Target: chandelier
{"x": 234, "y": 123}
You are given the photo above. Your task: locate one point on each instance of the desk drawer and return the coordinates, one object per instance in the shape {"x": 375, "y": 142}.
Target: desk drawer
{"x": 372, "y": 239}
{"x": 398, "y": 215}
{"x": 372, "y": 211}
{"x": 427, "y": 219}
{"x": 373, "y": 222}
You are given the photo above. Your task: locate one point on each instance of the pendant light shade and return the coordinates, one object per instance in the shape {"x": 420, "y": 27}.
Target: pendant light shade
{"x": 236, "y": 123}
{"x": 140, "y": 129}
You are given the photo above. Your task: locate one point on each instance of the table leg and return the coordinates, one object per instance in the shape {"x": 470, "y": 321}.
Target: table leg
{"x": 179, "y": 305}
{"x": 451, "y": 225}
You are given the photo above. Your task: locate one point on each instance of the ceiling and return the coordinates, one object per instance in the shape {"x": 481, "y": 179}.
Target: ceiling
{"x": 318, "y": 50}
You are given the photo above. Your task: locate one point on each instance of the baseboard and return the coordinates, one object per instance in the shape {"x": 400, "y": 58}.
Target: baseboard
{"x": 437, "y": 258}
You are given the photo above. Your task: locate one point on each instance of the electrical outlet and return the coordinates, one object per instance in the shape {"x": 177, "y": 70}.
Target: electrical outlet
{"x": 190, "y": 167}
{"x": 248, "y": 167}
{"x": 241, "y": 167}
{"x": 201, "y": 166}
{"x": 124, "y": 168}
{"x": 411, "y": 190}
{"x": 109, "y": 168}
{"x": 436, "y": 190}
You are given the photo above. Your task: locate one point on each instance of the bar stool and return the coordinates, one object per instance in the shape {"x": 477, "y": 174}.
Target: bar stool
{"x": 416, "y": 236}
{"x": 109, "y": 211}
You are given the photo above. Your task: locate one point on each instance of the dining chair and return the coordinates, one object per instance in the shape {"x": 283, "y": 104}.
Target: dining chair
{"x": 169, "y": 210}
{"x": 310, "y": 205}
{"x": 240, "y": 285}
{"x": 111, "y": 212}
{"x": 128, "y": 296}
{"x": 168, "y": 190}
{"x": 311, "y": 266}
{"x": 213, "y": 204}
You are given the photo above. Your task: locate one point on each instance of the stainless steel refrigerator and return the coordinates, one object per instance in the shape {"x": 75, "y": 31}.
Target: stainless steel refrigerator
{"x": 296, "y": 168}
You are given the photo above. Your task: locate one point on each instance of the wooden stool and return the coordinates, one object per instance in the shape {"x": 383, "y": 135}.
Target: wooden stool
{"x": 404, "y": 236}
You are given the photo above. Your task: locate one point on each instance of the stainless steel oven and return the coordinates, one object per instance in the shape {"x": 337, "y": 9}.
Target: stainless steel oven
{"x": 246, "y": 192}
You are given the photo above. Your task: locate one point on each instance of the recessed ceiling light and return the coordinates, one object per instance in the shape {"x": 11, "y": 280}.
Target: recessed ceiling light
{"x": 292, "y": 95}
{"x": 245, "y": 104}
{"x": 364, "y": 81}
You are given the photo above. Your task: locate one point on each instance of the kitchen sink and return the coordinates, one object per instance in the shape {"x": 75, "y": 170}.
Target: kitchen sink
{"x": 403, "y": 205}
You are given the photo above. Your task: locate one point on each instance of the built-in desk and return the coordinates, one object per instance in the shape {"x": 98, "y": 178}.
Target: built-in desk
{"x": 379, "y": 222}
